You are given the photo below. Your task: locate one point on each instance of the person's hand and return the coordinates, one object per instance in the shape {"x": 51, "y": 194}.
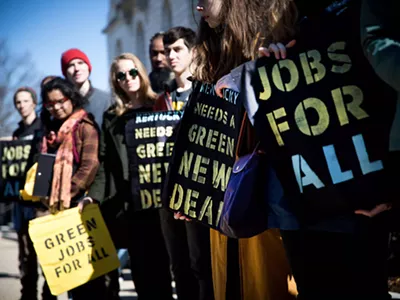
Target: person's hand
{"x": 226, "y": 82}
{"x": 85, "y": 201}
{"x": 278, "y": 49}
{"x": 292, "y": 286}
{"x": 179, "y": 216}
{"x": 375, "y": 211}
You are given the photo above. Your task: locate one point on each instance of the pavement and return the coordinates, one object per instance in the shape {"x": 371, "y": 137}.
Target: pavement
{"x": 9, "y": 276}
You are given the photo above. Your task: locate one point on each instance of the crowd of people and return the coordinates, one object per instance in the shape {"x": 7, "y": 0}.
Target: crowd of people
{"x": 332, "y": 243}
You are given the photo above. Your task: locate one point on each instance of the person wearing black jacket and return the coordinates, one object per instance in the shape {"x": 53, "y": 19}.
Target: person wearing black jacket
{"x": 326, "y": 131}
{"x": 29, "y": 128}
{"x": 138, "y": 231}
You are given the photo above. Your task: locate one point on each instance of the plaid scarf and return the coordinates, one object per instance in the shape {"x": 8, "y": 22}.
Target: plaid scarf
{"x": 60, "y": 196}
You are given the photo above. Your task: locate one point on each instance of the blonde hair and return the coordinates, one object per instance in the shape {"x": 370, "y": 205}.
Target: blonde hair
{"x": 146, "y": 94}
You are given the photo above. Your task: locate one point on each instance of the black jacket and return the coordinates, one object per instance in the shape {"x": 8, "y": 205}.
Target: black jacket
{"x": 111, "y": 185}
{"x": 30, "y": 132}
{"x": 26, "y": 210}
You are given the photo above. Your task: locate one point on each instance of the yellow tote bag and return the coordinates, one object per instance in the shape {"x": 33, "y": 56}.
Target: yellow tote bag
{"x": 73, "y": 248}
{"x": 27, "y": 192}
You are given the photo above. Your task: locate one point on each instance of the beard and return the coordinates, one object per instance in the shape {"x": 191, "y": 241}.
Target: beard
{"x": 161, "y": 78}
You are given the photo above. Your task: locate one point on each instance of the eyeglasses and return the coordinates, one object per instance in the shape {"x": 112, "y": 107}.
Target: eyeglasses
{"x": 51, "y": 105}
{"x": 121, "y": 76}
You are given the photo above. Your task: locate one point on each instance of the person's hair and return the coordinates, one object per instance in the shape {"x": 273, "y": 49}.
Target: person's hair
{"x": 179, "y": 32}
{"x": 158, "y": 35}
{"x": 46, "y": 80}
{"x": 31, "y": 91}
{"x": 68, "y": 90}
{"x": 146, "y": 95}
{"x": 247, "y": 25}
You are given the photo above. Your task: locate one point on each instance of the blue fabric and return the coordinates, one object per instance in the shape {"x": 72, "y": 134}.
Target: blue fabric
{"x": 22, "y": 214}
{"x": 244, "y": 213}
{"x": 123, "y": 257}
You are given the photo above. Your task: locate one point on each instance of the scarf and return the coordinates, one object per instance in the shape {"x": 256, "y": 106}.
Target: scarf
{"x": 60, "y": 196}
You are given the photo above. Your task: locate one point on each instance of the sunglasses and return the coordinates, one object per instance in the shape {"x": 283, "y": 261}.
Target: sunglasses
{"x": 52, "y": 104}
{"x": 121, "y": 76}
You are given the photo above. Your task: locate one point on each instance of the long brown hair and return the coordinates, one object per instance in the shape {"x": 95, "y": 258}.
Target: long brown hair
{"x": 247, "y": 25}
{"x": 146, "y": 94}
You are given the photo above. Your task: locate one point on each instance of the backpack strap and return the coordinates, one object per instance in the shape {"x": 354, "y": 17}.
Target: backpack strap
{"x": 247, "y": 141}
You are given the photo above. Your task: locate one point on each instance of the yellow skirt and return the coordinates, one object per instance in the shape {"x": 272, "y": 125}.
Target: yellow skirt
{"x": 264, "y": 269}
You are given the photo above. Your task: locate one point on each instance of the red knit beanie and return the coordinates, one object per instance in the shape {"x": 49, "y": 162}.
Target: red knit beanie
{"x": 71, "y": 54}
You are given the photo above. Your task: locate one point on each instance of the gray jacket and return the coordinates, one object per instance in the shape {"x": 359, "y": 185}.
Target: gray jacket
{"x": 98, "y": 102}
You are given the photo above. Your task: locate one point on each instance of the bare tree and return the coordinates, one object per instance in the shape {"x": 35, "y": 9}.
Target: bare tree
{"x": 15, "y": 71}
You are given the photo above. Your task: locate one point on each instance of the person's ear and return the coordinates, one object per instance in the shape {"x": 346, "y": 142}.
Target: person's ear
{"x": 193, "y": 52}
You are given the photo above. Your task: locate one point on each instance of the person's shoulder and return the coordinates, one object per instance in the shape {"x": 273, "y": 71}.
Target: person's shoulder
{"x": 160, "y": 102}
{"x": 102, "y": 96}
{"x": 160, "y": 97}
{"x": 110, "y": 114}
{"x": 88, "y": 120}
{"x": 87, "y": 126}
{"x": 98, "y": 93}
{"x": 17, "y": 132}
{"x": 37, "y": 124}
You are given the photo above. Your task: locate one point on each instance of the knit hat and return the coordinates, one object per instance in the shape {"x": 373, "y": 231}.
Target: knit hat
{"x": 71, "y": 54}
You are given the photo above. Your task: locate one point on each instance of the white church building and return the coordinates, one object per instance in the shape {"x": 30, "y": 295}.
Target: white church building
{"x": 131, "y": 24}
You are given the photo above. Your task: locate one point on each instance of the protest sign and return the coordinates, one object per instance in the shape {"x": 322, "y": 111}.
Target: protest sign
{"x": 73, "y": 248}
{"x": 14, "y": 159}
{"x": 150, "y": 142}
{"x": 204, "y": 154}
{"x": 324, "y": 118}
